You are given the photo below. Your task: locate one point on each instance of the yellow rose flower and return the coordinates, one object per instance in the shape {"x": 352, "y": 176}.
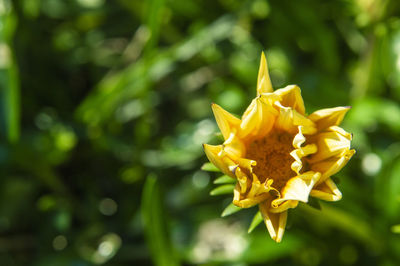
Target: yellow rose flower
{"x": 279, "y": 155}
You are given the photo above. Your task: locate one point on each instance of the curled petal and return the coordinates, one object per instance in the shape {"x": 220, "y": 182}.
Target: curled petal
{"x": 299, "y": 138}
{"x": 258, "y": 120}
{"x": 249, "y": 191}
{"x": 298, "y": 154}
{"x": 243, "y": 180}
{"x": 327, "y": 191}
{"x": 258, "y": 188}
{"x": 291, "y": 97}
{"x": 227, "y": 122}
{"x": 216, "y": 156}
{"x": 289, "y": 120}
{"x": 300, "y": 151}
{"x": 275, "y": 222}
{"x": 289, "y": 204}
{"x": 234, "y": 147}
{"x": 330, "y": 143}
{"x": 297, "y": 188}
{"x": 325, "y": 118}
{"x": 332, "y": 165}
{"x": 247, "y": 164}
{"x": 255, "y": 187}
{"x": 263, "y": 81}
{"x": 242, "y": 201}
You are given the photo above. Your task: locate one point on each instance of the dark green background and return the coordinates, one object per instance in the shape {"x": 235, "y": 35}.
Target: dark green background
{"x": 105, "y": 105}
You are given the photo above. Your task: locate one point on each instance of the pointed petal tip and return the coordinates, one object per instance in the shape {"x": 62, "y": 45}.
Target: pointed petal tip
{"x": 262, "y": 54}
{"x": 207, "y": 147}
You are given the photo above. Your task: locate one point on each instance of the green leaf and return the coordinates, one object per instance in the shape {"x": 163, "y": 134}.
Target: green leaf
{"x": 224, "y": 179}
{"x": 210, "y": 168}
{"x": 257, "y": 219}
{"x": 224, "y": 189}
{"x": 154, "y": 223}
{"x": 230, "y": 209}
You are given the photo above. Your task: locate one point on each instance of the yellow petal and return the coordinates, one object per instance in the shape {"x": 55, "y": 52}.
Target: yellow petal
{"x": 325, "y": 118}
{"x": 289, "y": 120}
{"x": 216, "y": 156}
{"x": 291, "y": 97}
{"x": 327, "y": 191}
{"x": 275, "y": 222}
{"x": 332, "y": 165}
{"x": 258, "y": 120}
{"x": 330, "y": 143}
{"x": 300, "y": 151}
{"x": 299, "y": 138}
{"x": 234, "y": 147}
{"x": 243, "y": 181}
{"x": 298, "y": 154}
{"x": 227, "y": 122}
{"x": 240, "y": 199}
{"x": 297, "y": 188}
{"x": 249, "y": 191}
{"x": 263, "y": 81}
{"x": 247, "y": 164}
{"x": 289, "y": 204}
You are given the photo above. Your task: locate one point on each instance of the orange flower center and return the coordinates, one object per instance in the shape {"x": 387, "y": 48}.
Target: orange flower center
{"x": 272, "y": 154}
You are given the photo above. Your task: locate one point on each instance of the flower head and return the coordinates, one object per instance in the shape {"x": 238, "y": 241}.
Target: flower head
{"x": 279, "y": 155}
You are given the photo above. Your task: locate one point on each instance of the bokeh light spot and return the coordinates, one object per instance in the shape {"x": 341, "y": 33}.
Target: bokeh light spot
{"x": 108, "y": 206}
{"x": 200, "y": 179}
{"x": 60, "y": 242}
{"x": 371, "y": 164}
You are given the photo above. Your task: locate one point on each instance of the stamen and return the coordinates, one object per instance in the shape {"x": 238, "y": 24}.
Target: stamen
{"x": 272, "y": 154}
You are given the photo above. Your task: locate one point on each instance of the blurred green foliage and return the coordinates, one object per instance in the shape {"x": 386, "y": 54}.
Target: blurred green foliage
{"x": 105, "y": 104}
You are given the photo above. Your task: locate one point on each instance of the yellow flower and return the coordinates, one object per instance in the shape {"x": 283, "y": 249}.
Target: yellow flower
{"x": 279, "y": 155}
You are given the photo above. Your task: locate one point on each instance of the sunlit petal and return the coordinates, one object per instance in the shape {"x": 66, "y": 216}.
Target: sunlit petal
{"x": 289, "y": 120}
{"x": 234, "y": 147}
{"x": 291, "y": 97}
{"x": 263, "y": 81}
{"x": 216, "y": 156}
{"x": 327, "y": 191}
{"x": 332, "y": 165}
{"x": 331, "y": 143}
{"x": 275, "y": 222}
{"x": 258, "y": 120}
{"x": 227, "y": 122}
{"x": 325, "y": 118}
{"x": 298, "y": 188}
{"x": 240, "y": 199}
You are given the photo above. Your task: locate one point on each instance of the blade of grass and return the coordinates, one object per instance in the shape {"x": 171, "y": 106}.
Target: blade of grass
{"x": 9, "y": 81}
{"x": 154, "y": 16}
{"x": 135, "y": 80}
{"x": 154, "y": 224}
